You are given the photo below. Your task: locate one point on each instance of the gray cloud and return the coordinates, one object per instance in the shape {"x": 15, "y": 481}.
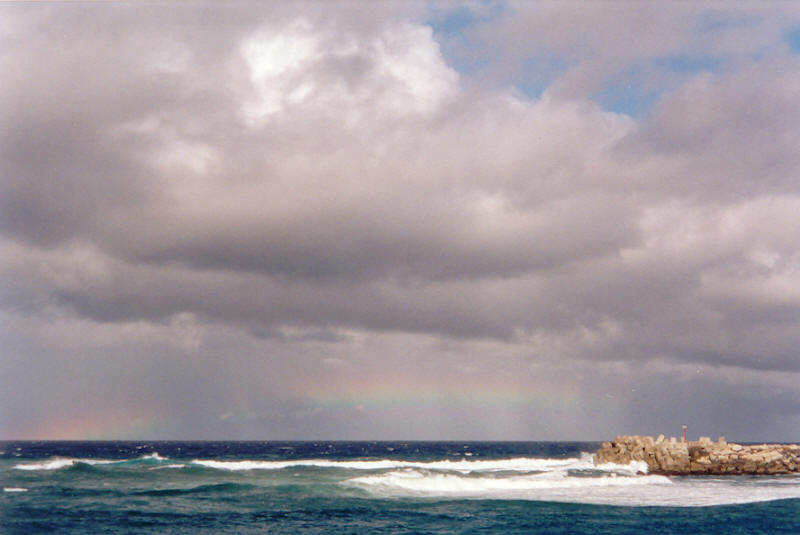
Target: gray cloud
{"x": 249, "y": 216}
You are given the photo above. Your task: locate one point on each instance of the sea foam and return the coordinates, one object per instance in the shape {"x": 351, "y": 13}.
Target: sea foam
{"x": 522, "y": 464}
{"x": 59, "y": 462}
{"x": 607, "y": 485}
{"x": 54, "y": 464}
{"x": 422, "y": 482}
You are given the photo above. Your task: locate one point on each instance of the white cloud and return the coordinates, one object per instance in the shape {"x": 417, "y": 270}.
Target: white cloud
{"x": 396, "y": 71}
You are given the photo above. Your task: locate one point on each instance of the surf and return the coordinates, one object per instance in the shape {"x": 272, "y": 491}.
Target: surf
{"x": 601, "y": 487}
{"x": 494, "y": 465}
{"x": 59, "y": 463}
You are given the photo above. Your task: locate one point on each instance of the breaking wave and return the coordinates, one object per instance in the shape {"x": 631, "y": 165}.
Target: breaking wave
{"x": 602, "y": 485}
{"x": 59, "y": 463}
{"x": 522, "y": 464}
{"x": 424, "y": 482}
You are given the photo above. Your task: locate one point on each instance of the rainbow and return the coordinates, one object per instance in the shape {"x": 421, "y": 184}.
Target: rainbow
{"x": 384, "y": 391}
{"x": 95, "y": 424}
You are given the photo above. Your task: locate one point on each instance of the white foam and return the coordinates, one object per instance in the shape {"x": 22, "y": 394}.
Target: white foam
{"x": 59, "y": 462}
{"x": 176, "y": 465}
{"x": 155, "y": 456}
{"x": 522, "y": 464}
{"x": 14, "y": 489}
{"x": 602, "y": 487}
{"x": 634, "y": 468}
{"x": 53, "y": 464}
{"x": 423, "y": 482}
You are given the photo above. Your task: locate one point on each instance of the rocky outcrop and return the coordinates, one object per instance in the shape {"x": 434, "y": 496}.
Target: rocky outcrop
{"x": 701, "y": 457}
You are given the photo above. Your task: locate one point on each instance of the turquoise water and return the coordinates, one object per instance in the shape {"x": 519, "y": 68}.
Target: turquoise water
{"x": 369, "y": 487}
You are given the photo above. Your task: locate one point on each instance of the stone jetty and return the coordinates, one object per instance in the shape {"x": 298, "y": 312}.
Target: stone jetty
{"x": 700, "y": 457}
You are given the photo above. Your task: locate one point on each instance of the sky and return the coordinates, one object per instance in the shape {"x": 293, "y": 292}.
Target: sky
{"x": 480, "y": 220}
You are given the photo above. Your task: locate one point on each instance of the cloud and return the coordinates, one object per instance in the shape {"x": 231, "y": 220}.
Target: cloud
{"x": 574, "y": 52}
{"x": 728, "y": 135}
{"x": 236, "y": 211}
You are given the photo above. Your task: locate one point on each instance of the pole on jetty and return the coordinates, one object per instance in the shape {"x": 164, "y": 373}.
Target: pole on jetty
{"x": 683, "y": 434}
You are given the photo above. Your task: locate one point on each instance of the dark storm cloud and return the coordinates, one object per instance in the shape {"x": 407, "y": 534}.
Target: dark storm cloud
{"x": 278, "y": 199}
{"x": 78, "y": 74}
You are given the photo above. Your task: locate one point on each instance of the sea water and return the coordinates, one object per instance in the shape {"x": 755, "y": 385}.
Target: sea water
{"x": 370, "y": 487}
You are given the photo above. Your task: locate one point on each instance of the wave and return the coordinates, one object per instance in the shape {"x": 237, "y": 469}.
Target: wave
{"x": 424, "y": 482}
{"x": 169, "y": 466}
{"x": 599, "y": 487}
{"x": 15, "y": 489}
{"x": 201, "y": 489}
{"x": 463, "y": 466}
{"x": 522, "y": 464}
{"x": 59, "y": 463}
{"x": 634, "y": 468}
{"x": 153, "y": 457}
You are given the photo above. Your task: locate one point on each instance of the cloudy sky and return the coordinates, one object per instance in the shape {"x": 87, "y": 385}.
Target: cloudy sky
{"x": 481, "y": 220}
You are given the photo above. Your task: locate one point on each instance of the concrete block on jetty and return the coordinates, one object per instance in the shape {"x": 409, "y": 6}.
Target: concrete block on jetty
{"x": 700, "y": 457}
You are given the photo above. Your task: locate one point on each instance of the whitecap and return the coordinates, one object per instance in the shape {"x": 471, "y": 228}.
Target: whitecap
{"x": 423, "y": 482}
{"x": 633, "y": 468}
{"x": 52, "y": 464}
{"x": 167, "y": 466}
{"x": 598, "y": 487}
{"x": 522, "y": 464}
{"x": 60, "y": 462}
{"x": 15, "y": 489}
{"x": 154, "y": 456}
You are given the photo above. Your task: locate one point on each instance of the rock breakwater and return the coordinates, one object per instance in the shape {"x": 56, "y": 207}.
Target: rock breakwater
{"x": 700, "y": 457}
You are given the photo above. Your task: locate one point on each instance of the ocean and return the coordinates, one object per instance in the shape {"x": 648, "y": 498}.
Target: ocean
{"x": 370, "y": 487}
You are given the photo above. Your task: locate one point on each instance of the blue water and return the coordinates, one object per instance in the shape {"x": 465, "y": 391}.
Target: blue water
{"x": 369, "y": 487}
